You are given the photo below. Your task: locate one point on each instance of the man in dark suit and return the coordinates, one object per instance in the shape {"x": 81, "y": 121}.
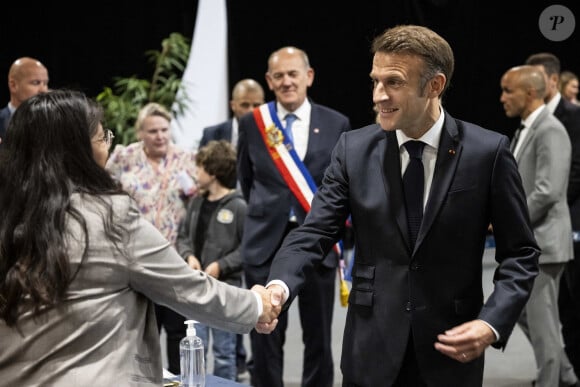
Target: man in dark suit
{"x": 26, "y": 77}
{"x": 247, "y": 94}
{"x": 416, "y": 314}
{"x": 569, "y": 115}
{"x": 273, "y": 210}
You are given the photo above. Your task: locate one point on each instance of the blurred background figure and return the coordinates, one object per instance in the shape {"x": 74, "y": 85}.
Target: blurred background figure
{"x": 569, "y": 116}
{"x": 542, "y": 150}
{"x": 158, "y": 174}
{"x": 246, "y": 95}
{"x": 26, "y": 78}
{"x": 568, "y": 86}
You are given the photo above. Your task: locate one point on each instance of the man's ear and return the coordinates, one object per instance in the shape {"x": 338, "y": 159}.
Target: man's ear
{"x": 436, "y": 85}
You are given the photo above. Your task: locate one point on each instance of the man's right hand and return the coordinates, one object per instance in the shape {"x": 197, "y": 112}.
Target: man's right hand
{"x": 271, "y": 309}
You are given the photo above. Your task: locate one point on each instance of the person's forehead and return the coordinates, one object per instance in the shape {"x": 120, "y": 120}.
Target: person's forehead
{"x": 287, "y": 62}
{"x": 249, "y": 95}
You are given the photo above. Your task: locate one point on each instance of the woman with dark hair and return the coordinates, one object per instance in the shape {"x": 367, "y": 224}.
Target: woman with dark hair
{"x": 80, "y": 268}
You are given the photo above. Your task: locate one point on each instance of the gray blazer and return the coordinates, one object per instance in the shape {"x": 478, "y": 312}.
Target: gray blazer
{"x": 105, "y": 333}
{"x": 544, "y": 164}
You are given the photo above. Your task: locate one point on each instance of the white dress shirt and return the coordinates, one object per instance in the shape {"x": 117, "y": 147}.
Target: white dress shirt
{"x": 300, "y": 127}
{"x": 431, "y": 139}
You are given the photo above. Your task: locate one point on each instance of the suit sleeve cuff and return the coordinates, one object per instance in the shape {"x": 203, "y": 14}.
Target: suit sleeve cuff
{"x": 495, "y": 332}
{"x": 284, "y": 286}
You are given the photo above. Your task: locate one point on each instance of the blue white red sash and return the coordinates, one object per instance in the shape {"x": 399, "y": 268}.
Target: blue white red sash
{"x": 287, "y": 161}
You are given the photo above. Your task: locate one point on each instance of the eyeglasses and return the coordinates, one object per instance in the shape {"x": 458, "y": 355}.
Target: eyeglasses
{"x": 107, "y": 138}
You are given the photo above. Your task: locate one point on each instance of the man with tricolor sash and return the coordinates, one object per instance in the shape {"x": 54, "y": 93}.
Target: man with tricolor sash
{"x": 284, "y": 148}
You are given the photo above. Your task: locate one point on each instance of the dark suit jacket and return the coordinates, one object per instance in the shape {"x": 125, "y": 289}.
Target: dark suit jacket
{"x": 569, "y": 115}
{"x": 396, "y": 292}
{"x": 222, "y": 131}
{"x": 4, "y": 118}
{"x": 269, "y": 198}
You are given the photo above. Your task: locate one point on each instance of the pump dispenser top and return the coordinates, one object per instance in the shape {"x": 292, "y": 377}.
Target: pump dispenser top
{"x": 190, "y": 331}
{"x": 192, "y": 358}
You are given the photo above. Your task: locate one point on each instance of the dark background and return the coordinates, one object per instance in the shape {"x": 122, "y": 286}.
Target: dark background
{"x": 85, "y": 46}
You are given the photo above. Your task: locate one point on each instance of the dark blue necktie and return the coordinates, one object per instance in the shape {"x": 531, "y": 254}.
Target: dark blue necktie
{"x": 413, "y": 187}
{"x": 290, "y": 118}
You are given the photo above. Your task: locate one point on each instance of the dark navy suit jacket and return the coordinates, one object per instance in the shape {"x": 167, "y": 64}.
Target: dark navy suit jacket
{"x": 221, "y": 131}
{"x": 268, "y": 196}
{"x": 5, "y": 115}
{"x": 397, "y": 292}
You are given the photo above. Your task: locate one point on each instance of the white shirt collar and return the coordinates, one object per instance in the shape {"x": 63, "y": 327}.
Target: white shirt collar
{"x": 533, "y": 115}
{"x": 431, "y": 137}
{"x": 553, "y": 103}
{"x": 303, "y": 111}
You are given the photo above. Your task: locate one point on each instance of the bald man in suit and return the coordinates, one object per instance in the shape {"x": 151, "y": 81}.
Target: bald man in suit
{"x": 273, "y": 210}
{"x": 26, "y": 77}
{"x": 569, "y": 115}
{"x": 543, "y": 151}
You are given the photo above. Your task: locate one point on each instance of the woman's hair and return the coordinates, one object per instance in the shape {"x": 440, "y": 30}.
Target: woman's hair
{"x": 46, "y": 158}
{"x": 565, "y": 78}
{"x": 151, "y": 109}
{"x": 218, "y": 158}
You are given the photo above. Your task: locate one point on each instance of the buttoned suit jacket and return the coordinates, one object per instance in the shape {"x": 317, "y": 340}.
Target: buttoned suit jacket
{"x": 221, "y": 131}
{"x": 268, "y": 196}
{"x": 5, "y": 115}
{"x": 397, "y": 292}
{"x": 544, "y": 164}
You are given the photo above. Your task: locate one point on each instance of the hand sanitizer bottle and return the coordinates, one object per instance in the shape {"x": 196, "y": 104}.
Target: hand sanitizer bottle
{"x": 192, "y": 358}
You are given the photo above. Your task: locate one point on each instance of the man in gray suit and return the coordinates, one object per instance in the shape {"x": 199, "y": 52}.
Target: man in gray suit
{"x": 542, "y": 150}
{"x": 569, "y": 115}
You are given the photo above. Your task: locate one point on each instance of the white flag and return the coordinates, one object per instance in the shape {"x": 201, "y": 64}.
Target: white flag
{"x": 205, "y": 79}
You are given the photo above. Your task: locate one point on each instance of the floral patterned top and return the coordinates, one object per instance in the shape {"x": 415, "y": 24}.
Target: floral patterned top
{"x": 156, "y": 190}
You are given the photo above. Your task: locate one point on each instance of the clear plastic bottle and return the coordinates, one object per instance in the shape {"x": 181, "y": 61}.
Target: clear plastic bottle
{"x": 192, "y": 358}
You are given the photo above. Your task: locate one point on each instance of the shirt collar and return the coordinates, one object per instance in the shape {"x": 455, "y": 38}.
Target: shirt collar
{"x": 431, "y": 137}
{"x": 302, "y": 113}
{"x": 553, "y": 103}
{"x": 533, "y": 115}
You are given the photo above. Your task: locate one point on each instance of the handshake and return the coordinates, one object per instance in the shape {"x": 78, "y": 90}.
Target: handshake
{"x": 272, "y": 300}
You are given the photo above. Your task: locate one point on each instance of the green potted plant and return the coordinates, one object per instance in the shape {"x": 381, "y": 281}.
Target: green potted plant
{"x": 122, "y": 102}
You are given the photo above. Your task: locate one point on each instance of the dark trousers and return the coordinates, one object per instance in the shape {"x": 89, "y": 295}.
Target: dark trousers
{"x": 316, "y": 306}
{"x": 409, "y": 375}
{"x": 240, "y": 354}
{"x": 174, "y": 325}
{"x": 569, "y": 309}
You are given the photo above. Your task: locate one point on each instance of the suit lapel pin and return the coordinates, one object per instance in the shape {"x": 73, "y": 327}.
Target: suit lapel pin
{"x": 316, "y": 130}
{"x": 452, "y": 152}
